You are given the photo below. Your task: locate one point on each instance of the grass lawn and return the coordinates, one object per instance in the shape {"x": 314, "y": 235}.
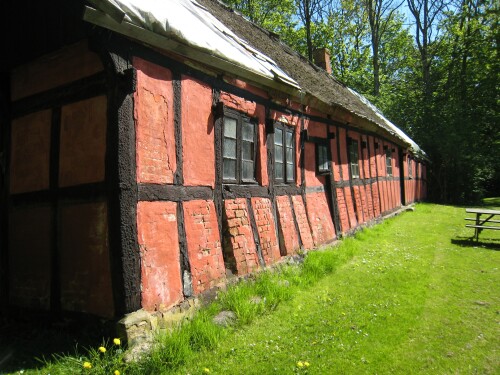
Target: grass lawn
{"x": 407, "y": 300}
{"x": 411, "y": 295}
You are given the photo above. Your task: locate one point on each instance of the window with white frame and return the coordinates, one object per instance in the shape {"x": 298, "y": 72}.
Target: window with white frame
{"x": 354, "y": 158}
{"x": 239, "y": 148}
{"x": 284, "y": 153}
{"x": 410, "y": 168}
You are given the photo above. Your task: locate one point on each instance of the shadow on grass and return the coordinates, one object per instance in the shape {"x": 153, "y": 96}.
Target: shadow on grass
{"x": 486, "y": 243}
{"x": 26, "y": 337}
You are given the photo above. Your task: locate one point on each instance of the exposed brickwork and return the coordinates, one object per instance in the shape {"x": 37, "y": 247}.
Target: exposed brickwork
{"x": 302, "y": 221}
{"x": 240, "y": 252}
{"x": 154, "y": 116}
{"x": 159, "y": 244}
{"x": 203, "y": 245}
{"x": 358, "y": 203}
{"x": 264, "y": 218}
{"x": 289, "y": 238}
{"x": 343, "y": 214}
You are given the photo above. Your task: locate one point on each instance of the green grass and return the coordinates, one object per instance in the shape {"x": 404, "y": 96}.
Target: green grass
{"x": 412, "y": 295}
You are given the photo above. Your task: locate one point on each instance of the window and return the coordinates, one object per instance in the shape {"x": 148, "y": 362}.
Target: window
{"x": 239, "y": 151}
{"x": 284, "y": 153}
{"x": 322, "y": 160}
{"x": 354, "y": 158}
{"x": 410, "y": 171}
{"x": 388, "y": 161}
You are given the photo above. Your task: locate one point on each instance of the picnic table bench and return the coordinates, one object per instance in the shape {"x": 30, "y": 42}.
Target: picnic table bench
{"x": 481, "y": 223}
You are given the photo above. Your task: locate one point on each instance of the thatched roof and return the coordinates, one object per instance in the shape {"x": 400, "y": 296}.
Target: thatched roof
{"x": 218, "y": 36}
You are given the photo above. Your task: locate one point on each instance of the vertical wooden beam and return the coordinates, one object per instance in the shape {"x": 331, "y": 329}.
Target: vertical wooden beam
{"x": 332, "y": 188}
{"x": 121, "y": 178}
{"x": 402, "y": 176}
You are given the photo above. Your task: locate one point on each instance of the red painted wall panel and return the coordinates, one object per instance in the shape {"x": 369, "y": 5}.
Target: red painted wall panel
{"x": 154, "y": 116}
{"x": 319, "y": 218}
{"x": 85, "y": 272}
{"x": 159, "y": 245}
{"x": 198, "y": 149}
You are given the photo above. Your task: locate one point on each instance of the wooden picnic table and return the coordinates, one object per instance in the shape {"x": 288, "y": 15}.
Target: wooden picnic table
{"x": 480, "y": 223}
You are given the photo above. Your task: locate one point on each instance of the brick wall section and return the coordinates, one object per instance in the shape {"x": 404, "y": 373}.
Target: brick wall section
{"x": 344, "y": 218}
{"x": 289, "y": 238}
{"x": 240, "y": 252}
{"x": 264, "y": 218}
{"x": 357, "y": 194}
{"x": 159, "y": 245}
{"x": 154, "y": 116}
{"x": 319, "y": 218}
{"x": 302, "y": 222}
{"x": 203, "y": 245}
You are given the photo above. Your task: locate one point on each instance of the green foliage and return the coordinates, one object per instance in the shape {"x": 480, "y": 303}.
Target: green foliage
{"x": 402, "y": 299}
{"x": 441, "y": 86}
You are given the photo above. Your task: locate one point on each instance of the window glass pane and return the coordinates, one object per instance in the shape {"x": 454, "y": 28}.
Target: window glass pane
{"x": 229, "y": 127}
{"x": 323, "y": 164}
{"x": 229, "y": 169}
{"x": 247, "y": 150}
{"x": 278, "y": 137}
{"x": 289, "y": 154}
{"x": 289, "y": 173}
{"x": 278, "y": 171}
{"x": 229, "y": 148}
{"x": 289, "y": 138}
{"x": 248, "y": 132}
{"x": 278, "y": 154}
{"x": 247, "y": 170}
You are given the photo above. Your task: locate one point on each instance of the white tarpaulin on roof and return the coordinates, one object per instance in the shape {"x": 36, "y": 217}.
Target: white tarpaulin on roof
{"x": 390, "y": 126}
{"x": 188, "y": 22}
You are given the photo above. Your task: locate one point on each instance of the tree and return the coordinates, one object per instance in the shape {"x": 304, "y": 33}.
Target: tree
{"x": 310, "y": 12}
{"x": 380, "y": 14}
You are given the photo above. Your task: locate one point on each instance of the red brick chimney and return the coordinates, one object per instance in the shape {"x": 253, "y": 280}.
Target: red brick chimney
{"x": 322, "y": 59}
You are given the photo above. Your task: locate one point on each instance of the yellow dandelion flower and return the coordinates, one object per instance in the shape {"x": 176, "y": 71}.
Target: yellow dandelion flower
{"x": 116, "y": 372}
{"x": 87, "y": 365}
{"x": 300, "y": 364}
{"x": 307, "y": 364}
{"x": 102, "y": 349}
{"x": 117, "y": 341}
{"x": 206, "y": 370}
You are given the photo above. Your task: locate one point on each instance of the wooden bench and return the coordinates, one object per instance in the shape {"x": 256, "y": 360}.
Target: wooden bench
{"x": 481, "y": 223}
